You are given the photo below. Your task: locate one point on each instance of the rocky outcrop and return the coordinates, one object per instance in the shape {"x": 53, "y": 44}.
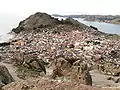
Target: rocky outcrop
{"x": 5, "y": 77}
{"x": 38, "y": 20}
{"x": 29, "y": 61}
{"x": 81, "y": 74}
{"x": 77, "y": 72}
{"x": 42, "y": 20}
{"x": 35, "y": 64}
{"x": 74, "y": 22}
{"x": 71, "y": 21}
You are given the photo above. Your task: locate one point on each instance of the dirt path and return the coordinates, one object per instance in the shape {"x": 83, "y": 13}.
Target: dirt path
{"x": 101, "y": 79}
{"x": 11, "y": 69}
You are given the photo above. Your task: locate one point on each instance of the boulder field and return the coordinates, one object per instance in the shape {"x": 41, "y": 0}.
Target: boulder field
{"x": 52, "y": 54}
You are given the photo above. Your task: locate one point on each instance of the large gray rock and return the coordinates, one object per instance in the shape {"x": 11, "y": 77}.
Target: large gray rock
{"x": 32, "y": 62}
{"x": 5, "y": 77}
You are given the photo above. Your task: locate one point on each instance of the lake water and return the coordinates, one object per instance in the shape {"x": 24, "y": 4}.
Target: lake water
{"x": 104, "y": 27}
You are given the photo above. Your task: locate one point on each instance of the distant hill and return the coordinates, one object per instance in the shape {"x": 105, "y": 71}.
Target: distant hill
{"x": 116, "y": 21}
{"x": 71, "y": 16}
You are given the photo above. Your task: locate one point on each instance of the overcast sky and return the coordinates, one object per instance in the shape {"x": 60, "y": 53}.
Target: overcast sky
{"x": 27, "y": 7}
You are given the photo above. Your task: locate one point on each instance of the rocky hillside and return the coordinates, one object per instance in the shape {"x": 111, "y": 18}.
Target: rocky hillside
{"x": 39, "y": 21}
{"x": 35, "y": 21}
{"x": 49, "y": 54}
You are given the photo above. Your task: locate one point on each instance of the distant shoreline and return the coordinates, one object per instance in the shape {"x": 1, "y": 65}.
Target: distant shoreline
{"x": 95, "y": 18}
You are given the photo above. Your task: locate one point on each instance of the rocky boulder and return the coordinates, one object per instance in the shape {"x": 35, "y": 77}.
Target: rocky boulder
{"x": 29, "y": 61}
{"x": 5, "y": 77}
{"x": 32, "y": 62}
{"x": 77, "y": 72}
{"x": 38, "y": 20}
{"x": 81, "y": 74}
{"x": 74, "y": 22}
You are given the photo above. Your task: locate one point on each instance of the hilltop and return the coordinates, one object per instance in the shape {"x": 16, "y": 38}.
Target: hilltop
{"x": 40, "y": 21}
{"x": 35, "y": 21}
